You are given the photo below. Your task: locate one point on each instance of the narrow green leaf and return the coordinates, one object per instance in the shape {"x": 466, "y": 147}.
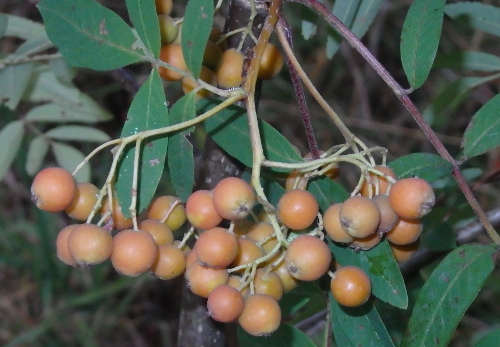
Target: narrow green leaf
{"x": 62, "y": 70}
{"x": 229, "y": 129}
{"x": 428, "y": 166}
{"x": 22, "y": 28}
{"x": 286, "y": 335}
{"x": 78, "y": 133}
{"x": 387, "y": 282}
{"x": 364, "y": 17}
{"x": 11, "y": 137}
{"x": 345, "y": 10}
{"x": 306, "y": 293}
{"x": 147, "y": 111}
{"x": 84, "y": 30}
{"x": 180, "y": 151}
{"x": 489, "y": 340}
{"x": 462, "y": 60}
{"x": 198, "y": 17}
{"x": 477, "y": 15}
{"x": 64, "y": 113}
{"x": 483, "y": 132}
{"x": 37, "y": 150}
{"x": 3, "y": 24}
{"x": 327, "y": 191}
{"x": 143, "y": 15}
{"x": 447, "y": 294}
{"x": 420, "y": 39}
{"x": 358, "y": 326}
{"x": 69, "y": 157}
{"x": 13, "y": 83}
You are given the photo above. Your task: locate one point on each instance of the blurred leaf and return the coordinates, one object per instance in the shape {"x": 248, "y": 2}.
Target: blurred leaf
{"x": 3, "y": 24}
{"x": 452, "y": 95}
{"x": 22, "y": 28}
{"x": 440, "y": 238}
{"x": 69, "y": 157}
{"x": 147, "y": 111}
{"x": 286, "y": 335}
{"x": 387, "y": 282}
{"x": 78, "y": 133}
{"x": 483, "y": 132}
{"x": 198, "y": 17}
{"x": 36, "y": 44}
{"x": 13, "y": 82}
{"x": 229, "y": 129}
{"x": 143, "y": 15}
{"x": 66, "y": 113}
{"x": 11, "y": 137}
{"x": 367, "y": 12}
{"x": 420, "y": 39}
{"x": 489, "y": 340}
{"x": 36, "y": 153}
{"x": 462, "y": 60}
{"x": 447, "y": 294}
{"x": 477, "y": 15}
{"x": 358, "y": 326}
{"x": 308, "y": 22}
{"x": 345, "y": 10}
{"x": 428, "y": 166}
{"x": 87, "y": 31}
{"x": 180, "y": 151}
{"x": 62, "y": 70}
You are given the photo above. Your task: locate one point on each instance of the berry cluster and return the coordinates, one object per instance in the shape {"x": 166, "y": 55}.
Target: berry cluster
{"x": 221, "y": 66}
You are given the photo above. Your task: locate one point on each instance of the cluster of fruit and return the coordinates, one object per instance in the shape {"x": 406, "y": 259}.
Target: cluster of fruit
{"x": 221, "y": 67}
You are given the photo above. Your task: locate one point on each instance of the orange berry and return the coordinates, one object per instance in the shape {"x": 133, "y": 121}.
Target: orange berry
{"x": 359, "y": 216}
{"x": 229, "y": 72}
{"x": 263, "y": 234}
{"x": 248, "y": 252}
{"x": 172, "y": 55}
{"x": 189, "y": 84}
{"x": 296, "y": 180}
{"x": 134, "y": 251}
{"x": 297, "y": 209}
{"x": 307, "y": 258}
{"x": 404, "y": 252}
{"x": 164, "y": 6}
{"x": 261, "y": 315}
{"x": 269, "y": 283}
{"x": 117, "y": 217}
{"x": 159, "y": 208}
{"x": 372, "y": 180}
{"x": 53, "y": 189}
{"x": 405, "y": 231}
{"x": 350, "y": 286}
{"x": 236, "y": 282}
{"x": 233, "y": 198}
{"x": 200, "y": 210}
{"x": 412, "y": 198}
{"x": 270, "y": 63}
{"x": 331, "y": 223}
{"x": 202, "y": 280}
{"x": 216, "y": 247}
{"x": 366, "y": 243}
{"x": 289, "y": 282}
{"x": 169, "y": 263}
{"x": 83, "y": 202}
{"x": 160, "y": 232}
{"x": 388, "y": 218}
{"x": 90, "y": 244}
{"x": 225, "y": 303}
{"x": 62, "y": 245}
{"x": 212, "y": 55}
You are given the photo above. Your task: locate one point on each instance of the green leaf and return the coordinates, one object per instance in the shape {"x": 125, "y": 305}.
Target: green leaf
{"x": 476, "y": 15}
{"x": 387, "y": 282}
{"x": 286, "y": 335}
{"x": 461, "y": 60}
{"x": 3, "y": 24}
{"x": 13, "y": 83}
{"x": 306, "y": 293}
{"x": 327, "y": 192}
{"x": 22, "y": 28}
{"x": 65, "y": 113}
{"x": 483, "y": 132}
{"x": 229, "y": 129}
{"x": 447, "y": 294}
{"x": 489, "y": 340}
{"x": 147, "y": 111}
{"x": 180, "y": 151}
{"x": 89, "y": 35}
{"x": 198, "y": 18}
{"x": 345, "y": 10}
{"x": 145, "y": 20}
{"x": 69, "y": 157}
{"x": 428, "y": 166}
{"x": 420, "y": 39}
{"x": 11, "y": 137}
{"x": 78, "y": 133}
{"x": 358, "y": 326}
{"x": 440, "y": 238}
{"x": 364, "y": 17}
{"x": 37, "y": 150}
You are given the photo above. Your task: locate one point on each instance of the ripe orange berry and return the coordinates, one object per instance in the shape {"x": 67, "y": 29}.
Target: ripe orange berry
{"x": 405, "y": 231}
{"x": 359, "y": 216}
{"x": 261, "y": 315}
{"x": 404, "y": 252}
{"x": 216, "y": 247}
{"x": 200, "y": 210}
{"x": 225, "y": 303}
{"x": 289, "y": 282}
{"x": 169, "y": 263}
{"x": 248, "y": 252}
{"x": 172, "y": 55}
{"x": 366, "y": 243}
{"x": 159, "y": 208}
{"x": 236, "y": 282}
{"x": 189, "y": 84}
{"x": 83, "y": 201}
{"x": 331, "y": 223}
{"x": 350, "y": 286}
{"x": 202, "y": 280}
{"x": 270, "y": 63}
{"x": 373, "y": 180}
{"x": 134, "y": 251}
{"x": 62, "y": 245}
{"x": 233, "y": 198}
{"x": 117, "y": 217}
{"x": 160, "y": 232}
{"x": 212, "y": 55}
{"x": 164, "y": 6}
{"x": 412, "y": 198}
{"x": 307, "y": 258}
{"x": 90, "y": 244}
{"x": 269, "y": 283}
{"x": 388, "y": 218}
{"x": 191, "y": 258}
{"x": 296, "y": 180}
{"x": 230, "y": 69}
{"x": 297, "y": 209}
{"x": 53, "y": 189}
{"x": 263, "y": 234}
